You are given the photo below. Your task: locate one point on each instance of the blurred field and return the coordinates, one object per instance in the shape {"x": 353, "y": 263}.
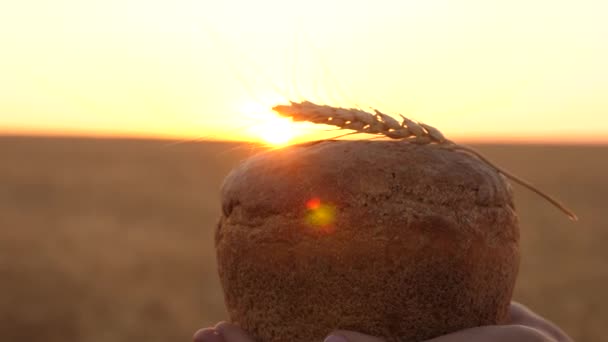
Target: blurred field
{"x": 111, "y": 240}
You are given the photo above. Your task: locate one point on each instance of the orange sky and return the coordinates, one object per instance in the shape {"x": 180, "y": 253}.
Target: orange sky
{"x": 522, "y": 70}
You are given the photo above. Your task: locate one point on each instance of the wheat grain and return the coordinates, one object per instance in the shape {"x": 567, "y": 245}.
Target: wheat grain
{"x": 408, "y": 130}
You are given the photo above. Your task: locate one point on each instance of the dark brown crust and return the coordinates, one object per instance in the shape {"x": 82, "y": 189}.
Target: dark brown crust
{"x": 425, "y": 242}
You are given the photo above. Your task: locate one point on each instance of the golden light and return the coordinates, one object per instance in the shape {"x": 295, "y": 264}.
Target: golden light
{"x": 267, "y": 125}
{"x": 320, "y": 215}
{"x": 275, "y": 131}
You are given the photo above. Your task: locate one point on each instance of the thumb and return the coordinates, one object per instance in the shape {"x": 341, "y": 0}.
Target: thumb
{"x": 497, "y": 333}
{"x": 480, "y": 334}
{"x": 351, "y": 336}
{"x": 232, "y": 332}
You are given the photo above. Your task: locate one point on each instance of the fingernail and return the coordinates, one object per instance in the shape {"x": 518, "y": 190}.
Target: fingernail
{"x": 335, "y": 338}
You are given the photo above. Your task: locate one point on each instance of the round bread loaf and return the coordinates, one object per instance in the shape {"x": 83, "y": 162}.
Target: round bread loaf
{"x": 397, "y": 240}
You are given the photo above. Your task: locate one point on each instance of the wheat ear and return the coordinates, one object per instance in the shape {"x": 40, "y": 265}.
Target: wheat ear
{"x": 408, "y": 130}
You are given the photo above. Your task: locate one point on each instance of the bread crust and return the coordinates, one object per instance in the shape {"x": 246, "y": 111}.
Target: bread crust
{"x": 421, "y": 242}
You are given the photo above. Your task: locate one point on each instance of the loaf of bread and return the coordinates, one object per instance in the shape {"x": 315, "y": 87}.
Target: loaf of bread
{"x": 397, "y": 240}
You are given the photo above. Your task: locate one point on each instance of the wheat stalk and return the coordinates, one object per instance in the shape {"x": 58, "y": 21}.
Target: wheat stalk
{"x": 408, "y": 130}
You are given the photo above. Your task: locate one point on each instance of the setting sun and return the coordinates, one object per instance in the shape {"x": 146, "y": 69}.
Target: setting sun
{"x": 275, "y": 131}
{"x": 266, "y": 126}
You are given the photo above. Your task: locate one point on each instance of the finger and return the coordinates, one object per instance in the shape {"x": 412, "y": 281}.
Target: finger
{"x": 496, "y": 333}
{"x": 520, "y": 314}
{"x": 207, "y": 335}
{"x": 351, "y": 336}
{"x": 232, "y": 332}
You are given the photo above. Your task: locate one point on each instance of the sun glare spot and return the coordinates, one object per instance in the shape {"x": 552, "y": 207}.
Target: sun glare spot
{"x": 275, "y": 131}
{"x": 313, "y": 203}
{"x": 267, "y": 126}
{"x": 320, "y": 215}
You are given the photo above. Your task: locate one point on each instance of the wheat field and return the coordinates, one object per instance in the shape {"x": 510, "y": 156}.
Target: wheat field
{"x": 112, "y": 240}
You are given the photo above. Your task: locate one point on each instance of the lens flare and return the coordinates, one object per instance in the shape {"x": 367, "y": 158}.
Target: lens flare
{"x": 313, "y": 203}
{"x": 320, "y": 215}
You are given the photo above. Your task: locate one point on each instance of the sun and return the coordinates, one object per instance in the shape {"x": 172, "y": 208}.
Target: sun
{"x": 275, "y": 131}
{"x": 268, "y": 127}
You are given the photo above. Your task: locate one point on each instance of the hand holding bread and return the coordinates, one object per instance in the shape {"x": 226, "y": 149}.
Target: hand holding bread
{"x": 523, "y": 326}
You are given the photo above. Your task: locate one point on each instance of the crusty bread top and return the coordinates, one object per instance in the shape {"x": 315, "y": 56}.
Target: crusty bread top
{"x": 364, "y": 173}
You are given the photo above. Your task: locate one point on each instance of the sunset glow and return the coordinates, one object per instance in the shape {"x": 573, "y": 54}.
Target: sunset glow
{"x": 477, "y": 70}
{"x": 276, "y": 131}
{"x": 266, "y": 126}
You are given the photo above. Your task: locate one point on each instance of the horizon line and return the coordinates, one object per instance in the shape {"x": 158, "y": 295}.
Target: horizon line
{"x": 594, "y": 141}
